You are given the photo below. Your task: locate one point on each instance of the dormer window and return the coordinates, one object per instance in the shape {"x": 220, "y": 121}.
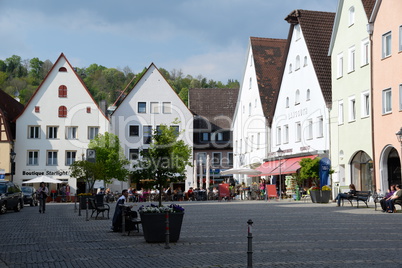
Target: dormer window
{"x": 63, "y": 69}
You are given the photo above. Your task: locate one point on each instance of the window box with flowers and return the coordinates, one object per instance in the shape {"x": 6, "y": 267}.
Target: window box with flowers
{"x": 153, "y": 221}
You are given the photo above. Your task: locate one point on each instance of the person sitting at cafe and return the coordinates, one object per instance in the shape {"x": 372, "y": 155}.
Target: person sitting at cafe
{"x": 117, "y": 217}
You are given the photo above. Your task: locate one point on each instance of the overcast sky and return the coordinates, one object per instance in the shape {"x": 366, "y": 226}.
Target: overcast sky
{"x": 200, "y": 37}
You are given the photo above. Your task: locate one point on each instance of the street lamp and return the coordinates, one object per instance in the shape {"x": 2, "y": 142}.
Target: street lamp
{"x": 399, "y": 135}
{"x": 280, "y": 153}
{"x": 12, "y": 158}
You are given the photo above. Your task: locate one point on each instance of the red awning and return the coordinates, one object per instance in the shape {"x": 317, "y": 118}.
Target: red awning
{"x": 288, "y": 166}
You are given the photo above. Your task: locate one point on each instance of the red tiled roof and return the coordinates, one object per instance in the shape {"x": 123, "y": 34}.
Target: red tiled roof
{"x": 368, "y": 7}
{"x": 269, "y": 60}
{"x": 215, "y": 104}
{"x": 317, "y": 30}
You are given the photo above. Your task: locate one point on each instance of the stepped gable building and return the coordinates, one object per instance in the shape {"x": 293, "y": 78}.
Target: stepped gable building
{"x": 300, "y": 127}
{"x": 9, "y": 110}
{"x": 213, "y": 110}
{"x": 150, "y": 103}
{"x": 386, "y": 35}
{"x": 56, "y": 126}
{"x": 256, "y": 102}
{"x": 351, "y": 118}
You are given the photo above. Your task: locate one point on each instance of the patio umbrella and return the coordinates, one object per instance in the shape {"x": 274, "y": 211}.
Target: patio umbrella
{"x": 44, "y": 179}
{"x": 245, "y": 171}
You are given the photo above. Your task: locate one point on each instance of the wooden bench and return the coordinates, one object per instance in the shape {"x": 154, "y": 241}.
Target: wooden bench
{"x": 363, "y": 196}
{"x": 99, "y": 208}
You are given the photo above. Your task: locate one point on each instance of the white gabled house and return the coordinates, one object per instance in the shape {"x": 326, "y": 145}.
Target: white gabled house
{"x": 256, "y": 101}
{"x": 300, "y": 126}
{"x": 56, "y": 126}
{"x": 150, "y": 103}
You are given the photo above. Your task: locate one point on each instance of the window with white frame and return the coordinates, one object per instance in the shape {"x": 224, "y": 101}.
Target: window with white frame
{"x": 351, "y": 59}
{"x": 400, "y": 97}
{"x": 216, "y": 159}
{"x": 340, "y": 65}
{"x": 320, "y": 127}
{"x": 70, "y": 157}
{"x": 147, "y": 133}
{"x": 365, "y": 110}
{"x": 154, "y": 107}
{"x": 33, "y": 132}
{"x": 297, "y": 97}
{"x": 52, "y": 132}
{"x": 365, "y": 50}
{"x": 352, "y": 109}
{"x": 33, "y": 158}
{"x": 310, "y": 129}
{"x": 133, "y": 131}
{"x": 71, "y": 133}
{"x": 386, "y": 101}
{"x": 340, "y": 112}
{"x": 297, "y": 67}
{"x": 166, "y": 107}
{"x": 93, "y": 132}
{"x": 351, "y": 16}
{"x": 51, "y": 158}
{"x": 286, "y": 134}
{"x": 142, "y": 107}
{"x": 278, "y": 135}
{"x": 298, "y": 131}
{"x": 386, "y": 44}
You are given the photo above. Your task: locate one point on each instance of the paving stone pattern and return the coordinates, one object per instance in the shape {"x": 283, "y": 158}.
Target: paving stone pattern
{"x": 214, "y": 234}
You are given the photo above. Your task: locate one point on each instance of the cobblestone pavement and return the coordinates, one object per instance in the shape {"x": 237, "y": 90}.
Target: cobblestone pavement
{"x": 214, "y": 234}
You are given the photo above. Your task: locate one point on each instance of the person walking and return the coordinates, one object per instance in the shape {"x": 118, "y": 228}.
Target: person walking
{"x": 42, "y": 192}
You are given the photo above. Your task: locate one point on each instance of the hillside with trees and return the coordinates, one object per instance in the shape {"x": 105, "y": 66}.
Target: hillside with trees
{"x": 20, "y": 78}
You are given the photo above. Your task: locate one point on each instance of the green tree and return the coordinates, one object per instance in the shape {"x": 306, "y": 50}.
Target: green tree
{"x": 166, "y": 160}
{"x": 110, "y": 162}
{"x": 309, "y": 169}
{"x": 36, "y": 70}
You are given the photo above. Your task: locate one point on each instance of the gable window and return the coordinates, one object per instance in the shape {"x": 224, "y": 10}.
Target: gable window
{"x": 33, "y": 132}
{"x": 297, "y": 31}
{"x": 386, "y": 45}
{"x": 33, "y": 158}
{"x": 204, "y": 136}
{"x": 251, "y": 82}
{"x": 320, "y": 128}
{"x": 298, "y": 131}
{"x": 310, "y": 129}
{"x": 134, "y": 131}
{"x": 37, "y": 109}
{"x": 71, "y": 133}
{"x": 51, "y": 158}
{"x": 62, "y": 91}
{"x": 251, "y": 59}
{"x": 249, "y": 109}
{"x": 216, "y": 159}
{"x": 88, "y": 110}
{"x": 365, "y": 52}
{"x": 70, "y": 157}
{"x": 297, "y": 63}
{"x": 62, "y": 111}
{"x": 305, "y": 61}
{"x": 340, "y": 65}
{"x": 154, "y": 108}
{"x": 308, "y": 95}
{"x": 147, "y": 133}
{"x": 351, "y": 16}
{"x": 297, "y": 99}
{"x": 351, "y": 62}
{"x": 340, "y": 113}
{"x": 52, "y": 132}
{"x": 167, "y": 107}
{"x": 287, "y": 102}
{"x": 134, "y": 154}
{"x": 290, "y": 68}
{"x": 142, "y": 107}
{"x": 386, "y": 101}
{"x": 352, "y": 109}
{"x": 62, "y": 69}
{"x": 365, "y": 104}
{"x": 92, "y": 132}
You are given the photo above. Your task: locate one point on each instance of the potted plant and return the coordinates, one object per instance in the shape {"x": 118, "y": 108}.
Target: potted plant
{"x": 153, "y": 221}
{"x": 315, "y": 194}
{"x": 325, "y": 194}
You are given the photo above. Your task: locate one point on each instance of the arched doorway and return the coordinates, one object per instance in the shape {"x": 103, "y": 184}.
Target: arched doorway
{"x": 362, "y": 171}
{"x": 390, "y": 168}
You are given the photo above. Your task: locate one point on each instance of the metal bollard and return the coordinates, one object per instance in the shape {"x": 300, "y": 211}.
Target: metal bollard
{"x": 75, "y": 204}
{"x": 87, "y": 219}
{"x": 79, "y": 206}
{"x": 167, "y": 231}
{"x": 250, "y": 244}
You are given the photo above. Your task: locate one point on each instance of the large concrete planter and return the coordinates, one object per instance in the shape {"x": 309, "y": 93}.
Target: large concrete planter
{"x": 154, "y": 226}
{"x": 320, "y": 196}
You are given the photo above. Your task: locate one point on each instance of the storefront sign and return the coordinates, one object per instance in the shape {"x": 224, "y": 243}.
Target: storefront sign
{"x": 46, "y": 173}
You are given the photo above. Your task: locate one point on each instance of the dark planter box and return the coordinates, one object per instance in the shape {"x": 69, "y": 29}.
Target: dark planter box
{"x": 83, "y": 202}
{"x": 320, "y": 196}
{"x": 154, "y": 226}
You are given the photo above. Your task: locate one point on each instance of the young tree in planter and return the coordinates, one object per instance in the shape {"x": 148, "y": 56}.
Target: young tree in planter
{"x": 309, "y": 169}
{"x": 165, "y": 161}
{"x": 110, "y": 162}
